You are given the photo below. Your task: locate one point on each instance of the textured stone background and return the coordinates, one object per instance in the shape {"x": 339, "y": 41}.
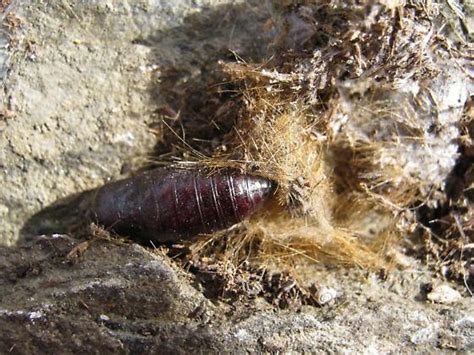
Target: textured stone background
{"x": 125, "y": 299}
{"x": 81, "y": 85}
{"x": 85, "y": 82}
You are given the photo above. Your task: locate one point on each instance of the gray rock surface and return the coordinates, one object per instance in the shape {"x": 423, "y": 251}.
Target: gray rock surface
{"x": 81, "y": 83}
{"x": 64, "y": 295}
{"x": 85, "y": 81}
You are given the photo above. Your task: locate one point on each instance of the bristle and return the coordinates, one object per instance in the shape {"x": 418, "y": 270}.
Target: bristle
{"x": 356, "y": 120}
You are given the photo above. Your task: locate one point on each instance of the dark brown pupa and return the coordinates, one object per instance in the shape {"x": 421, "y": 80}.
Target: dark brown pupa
{"x": 166, "y": 204}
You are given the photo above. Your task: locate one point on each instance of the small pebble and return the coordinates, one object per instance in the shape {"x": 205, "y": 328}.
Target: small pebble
{"x": 104, "y": 318}
{"x": 444, "y": 294}
{"x": 35, "y": 315}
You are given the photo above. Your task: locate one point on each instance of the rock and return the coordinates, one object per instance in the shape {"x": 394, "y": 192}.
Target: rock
{"x": 68, "y": 295}
{"x": 84, "y": 98}
{"x": 444, "y": 294}
{"x": 82, "y": 83}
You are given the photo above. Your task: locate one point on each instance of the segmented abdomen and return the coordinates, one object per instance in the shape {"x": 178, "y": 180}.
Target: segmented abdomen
{"x": 165, "y": 204}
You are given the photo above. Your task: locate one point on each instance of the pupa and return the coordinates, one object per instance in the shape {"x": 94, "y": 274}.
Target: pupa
{"x": 167, "y": 204}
